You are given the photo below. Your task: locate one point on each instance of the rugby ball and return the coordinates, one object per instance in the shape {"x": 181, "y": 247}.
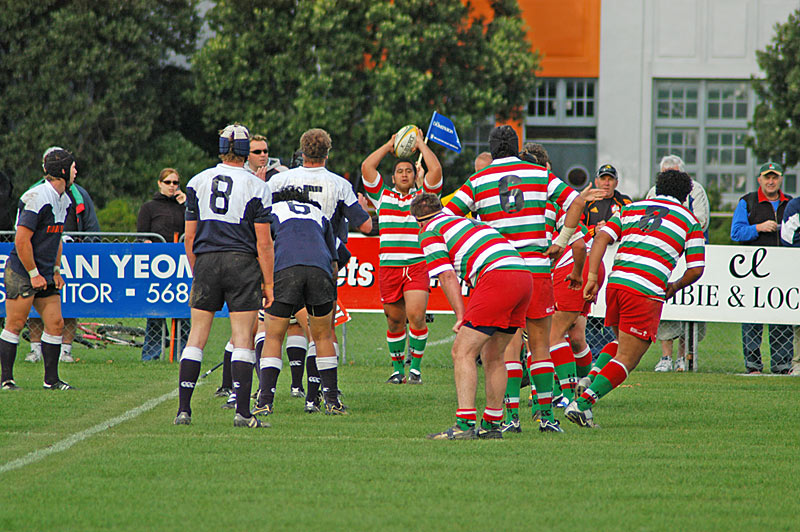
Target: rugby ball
{"x": 405, "y": 141}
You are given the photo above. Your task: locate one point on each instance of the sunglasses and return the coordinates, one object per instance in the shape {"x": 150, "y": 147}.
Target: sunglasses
{"x": 259, "y": 152}
{"x": 171, "y": 182}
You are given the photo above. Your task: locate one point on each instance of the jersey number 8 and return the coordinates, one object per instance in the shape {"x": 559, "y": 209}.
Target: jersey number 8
{"x": 218, "y": 194}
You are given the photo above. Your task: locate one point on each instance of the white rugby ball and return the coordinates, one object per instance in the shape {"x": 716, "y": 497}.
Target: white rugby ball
{"x": 405, "y": 141}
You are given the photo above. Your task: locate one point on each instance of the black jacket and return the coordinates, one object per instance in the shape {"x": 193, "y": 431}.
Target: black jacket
{"x": 760, "y": 209}
{"x": 162, "y": 215}
{"x": 602, "y": 210}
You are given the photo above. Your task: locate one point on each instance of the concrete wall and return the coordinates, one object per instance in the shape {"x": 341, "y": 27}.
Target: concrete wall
{"x": 641, "y": 40}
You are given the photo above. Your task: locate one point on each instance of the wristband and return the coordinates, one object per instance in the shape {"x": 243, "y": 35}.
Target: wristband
{"x": 57, "y": 270}
{"x": 564, "y": 236}
{"x": 591, "y": 276}
{"x": 33, "y": 273}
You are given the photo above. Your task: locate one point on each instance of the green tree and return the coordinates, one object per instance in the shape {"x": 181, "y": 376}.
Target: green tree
{"x": 361, "y": 70}
{"x": 90, "y": 76}
{"x": 776, "y": 120}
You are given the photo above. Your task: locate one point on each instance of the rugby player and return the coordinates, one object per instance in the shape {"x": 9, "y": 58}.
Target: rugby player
{"x": 305, "y": 277}
{"x": 653, "y": 234}
{"x": 32, "y": 275}
{"x": 338, "y": 204}
{"x": 510, "y": 195}
{"x": 404, "y": 281}
{"x": 229, "y": 248}
{"x": 454, "y": 248}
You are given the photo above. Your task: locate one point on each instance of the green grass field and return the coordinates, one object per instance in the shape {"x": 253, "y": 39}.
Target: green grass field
{"x": 703, "y": 451}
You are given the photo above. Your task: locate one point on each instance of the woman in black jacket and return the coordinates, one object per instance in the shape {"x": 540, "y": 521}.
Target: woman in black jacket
{"x": 164, "y": 215}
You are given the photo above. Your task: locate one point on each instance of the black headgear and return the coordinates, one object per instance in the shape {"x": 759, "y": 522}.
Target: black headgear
{"x": 58, "y": 164}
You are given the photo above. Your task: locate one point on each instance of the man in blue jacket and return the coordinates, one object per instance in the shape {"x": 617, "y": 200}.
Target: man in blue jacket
{"x": 757, "y": 222}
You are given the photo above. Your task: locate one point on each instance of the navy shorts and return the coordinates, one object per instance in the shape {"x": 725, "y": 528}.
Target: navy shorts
{"x": 226, "y": 277}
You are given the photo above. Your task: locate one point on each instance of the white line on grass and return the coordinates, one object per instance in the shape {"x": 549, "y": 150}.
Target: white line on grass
{"x": 66, "y": 443}
{"x": 443, "y": 340}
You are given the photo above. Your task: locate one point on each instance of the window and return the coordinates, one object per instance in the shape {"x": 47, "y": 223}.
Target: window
{"x": 544, "y": 101}
{"x": 727, "y": 102}
{"x": 682, "y": 143}
{"x": 705, "y": 123}
{"x": 563, "y": 102}
{"x": 677, "y": 100}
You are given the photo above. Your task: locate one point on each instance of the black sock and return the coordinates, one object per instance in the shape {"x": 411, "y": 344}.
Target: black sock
{"x": 313, "y": 378}
{"x": 242, "y": 384}
{"x": 330, "y": 387}
{"x": 257, "y": 366}
{"x": 296, "y": 356}
{"x": 8, "y": 354}
{"x": 50, "y": 354}
{"x": 187, "y": 379}
{"x": 227, "y": 379}
{"x": 269, "y": 379}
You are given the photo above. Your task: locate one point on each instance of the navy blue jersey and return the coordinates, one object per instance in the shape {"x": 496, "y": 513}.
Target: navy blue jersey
{"x": 226, "y": 201}
{"x": 302, "y": 236}
{"x": 43, "y": 211}
{"x": 333, "y": 192}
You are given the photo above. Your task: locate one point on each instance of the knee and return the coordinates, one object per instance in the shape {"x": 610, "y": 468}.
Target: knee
{"x": 55, "y": 327}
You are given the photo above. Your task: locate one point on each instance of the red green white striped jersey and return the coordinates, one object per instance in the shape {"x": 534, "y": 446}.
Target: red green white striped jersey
{"x": 653, "y": 234}
{"x": 555, "y": 216}
{"x": 511, "y": 196}
{"x": 399, "y": 231}
{"x": 468, "y": 247}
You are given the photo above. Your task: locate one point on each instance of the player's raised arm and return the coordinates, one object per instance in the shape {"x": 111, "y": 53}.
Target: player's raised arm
{"x": 369, "y": 168}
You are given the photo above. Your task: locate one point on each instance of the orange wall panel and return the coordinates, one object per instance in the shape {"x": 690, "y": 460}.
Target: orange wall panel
{"x": 565, "y": 32}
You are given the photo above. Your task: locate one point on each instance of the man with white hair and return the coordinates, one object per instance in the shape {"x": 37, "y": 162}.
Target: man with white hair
{"x": 668, "y": 331}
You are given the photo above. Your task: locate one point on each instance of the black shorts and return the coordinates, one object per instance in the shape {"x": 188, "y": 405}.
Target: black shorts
{"x": 20, "y": 286}
{"x": 226, "y": 277}
{"x": 303, "y": 286}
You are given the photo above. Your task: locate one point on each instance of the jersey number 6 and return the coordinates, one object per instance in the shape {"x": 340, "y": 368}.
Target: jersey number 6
{"x": 511, "y": 200}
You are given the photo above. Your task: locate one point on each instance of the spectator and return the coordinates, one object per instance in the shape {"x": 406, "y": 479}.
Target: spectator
{"x": 164, "y": 215}
{"x": 668, "y": 331}
{"x": 259, "y": 162}
{"x": 756, "y": 222}
{"x": 81, "y": 217}
{"x": 790, "y": 236}
{"x": 595, "y": 215}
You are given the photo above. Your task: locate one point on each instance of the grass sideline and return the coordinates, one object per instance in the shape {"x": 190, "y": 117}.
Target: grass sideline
{"x": 706, "y": 451}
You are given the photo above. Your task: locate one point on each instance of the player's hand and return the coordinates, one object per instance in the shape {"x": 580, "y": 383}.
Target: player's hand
{"x": 592, "y": 194}
{"x": 268, "y": 295}
{"x": 38, "y": 282}
{"x": 180, "y": 196}
{"x": 58, "y": 281}
{"x": 770, "y": 226}
{"x": 672, "y": 289}
{"x": 390, "y": 143}
{"x": 420, "y": 179}
{"x": 420, "y": 140}
{"x": 590, "y": 290}
{"x": 599, "y": 226}
{"x": 457, "y": 325}
{"x": 573, "y": 281}
{"x": 554, "y": 251}
{"x": 363, "y": 201}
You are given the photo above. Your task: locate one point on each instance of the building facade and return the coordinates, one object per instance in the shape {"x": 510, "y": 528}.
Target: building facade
{"x": 628, "y": 81}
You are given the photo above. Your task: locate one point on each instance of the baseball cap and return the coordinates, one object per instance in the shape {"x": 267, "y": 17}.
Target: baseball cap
{"x": 607, "y": 169}
{"x": 770, "y": 167}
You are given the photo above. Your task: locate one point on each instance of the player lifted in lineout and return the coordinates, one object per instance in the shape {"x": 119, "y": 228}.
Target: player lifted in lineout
{"x": 229, "y": 248}
{"x": 652, "y": 236}
{"x": 404, "y": 281}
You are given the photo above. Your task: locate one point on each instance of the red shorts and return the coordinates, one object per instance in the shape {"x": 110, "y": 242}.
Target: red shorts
{"x": 394, "y": 280}
{"x": 568, "y": 300}
{"x": 500, "y": 299}
{"x": 543, "y": 302}
{"x": 634, "y": 314}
